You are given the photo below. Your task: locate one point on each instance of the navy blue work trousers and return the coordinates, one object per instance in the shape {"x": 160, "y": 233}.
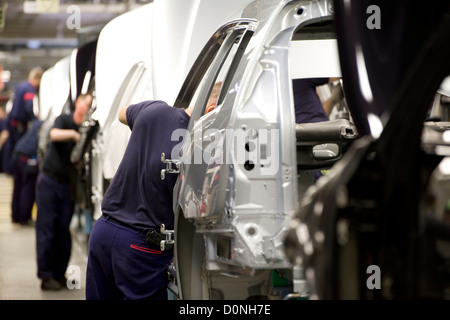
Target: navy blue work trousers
{"x": 123, "y": 266}
{"x": 24, "y": 189}
{"x": 53, "y": 239}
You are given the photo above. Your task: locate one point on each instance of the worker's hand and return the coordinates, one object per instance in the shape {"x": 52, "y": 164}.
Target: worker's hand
{"x": 337, "y": 94}
{"x": 76, "y": 136}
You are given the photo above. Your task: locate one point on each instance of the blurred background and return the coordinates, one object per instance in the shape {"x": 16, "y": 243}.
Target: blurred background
{"x": 41, "y": 32}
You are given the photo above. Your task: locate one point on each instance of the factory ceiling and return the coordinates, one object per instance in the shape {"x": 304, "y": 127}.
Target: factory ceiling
{"x": 41, "y": 32}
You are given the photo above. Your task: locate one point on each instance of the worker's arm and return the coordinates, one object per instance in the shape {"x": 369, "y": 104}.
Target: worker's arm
{"x": 28, "y": 99}
{"x": 123, "y": 115}
{"x": 63, "y": 135}
{"x": 337, "y": 95}
{"x": 4, "y": 135}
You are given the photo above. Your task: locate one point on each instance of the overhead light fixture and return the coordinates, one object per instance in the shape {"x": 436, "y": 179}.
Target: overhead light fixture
{"x": 33, "y": 44}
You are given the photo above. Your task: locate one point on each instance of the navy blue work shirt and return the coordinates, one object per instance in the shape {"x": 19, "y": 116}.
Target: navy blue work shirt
{"x": 28, "y": 144}
{"x": 308, "y": 107}
{"x": 137, "y": 197}
{"x": 57, "y": 159}
{"x": 22, "y": 109}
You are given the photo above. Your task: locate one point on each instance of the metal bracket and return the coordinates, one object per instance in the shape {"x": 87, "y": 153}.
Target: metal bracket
{"x": 169, "y": 168}
{"x": 168, "y": 243}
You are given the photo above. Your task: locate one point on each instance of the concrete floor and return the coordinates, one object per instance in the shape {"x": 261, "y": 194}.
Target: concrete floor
{"x": 18, "y": 268}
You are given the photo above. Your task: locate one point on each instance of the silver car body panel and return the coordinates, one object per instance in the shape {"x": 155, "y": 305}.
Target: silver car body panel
{"x": 238, "y": 171}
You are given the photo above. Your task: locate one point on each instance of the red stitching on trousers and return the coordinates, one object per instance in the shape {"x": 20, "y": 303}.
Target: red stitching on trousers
{"x": 148, "y": 250}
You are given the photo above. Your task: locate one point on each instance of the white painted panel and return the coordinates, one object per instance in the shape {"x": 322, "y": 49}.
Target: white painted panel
{"x": 124, "y": 41}
{"x": 314, "y": 59}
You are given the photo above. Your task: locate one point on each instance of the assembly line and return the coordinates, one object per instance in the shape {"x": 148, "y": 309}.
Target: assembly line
{"x": 249, "y": 150}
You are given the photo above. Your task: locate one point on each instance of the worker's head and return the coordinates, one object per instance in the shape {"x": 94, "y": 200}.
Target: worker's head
{"x": 82, "y": 105}
{"x": 214, "y": 95}
{"x": 35, "y": 76}
{"x": 212, "y": 100}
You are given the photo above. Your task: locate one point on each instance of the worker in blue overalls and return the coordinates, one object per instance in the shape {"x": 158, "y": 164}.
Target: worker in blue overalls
{"x": 22, "y": 111}
{"x": 308, "y": 106}
{"x": 25, "y": 172}
{"x": 125, "y": 260}
{"x": 55, "y": 194}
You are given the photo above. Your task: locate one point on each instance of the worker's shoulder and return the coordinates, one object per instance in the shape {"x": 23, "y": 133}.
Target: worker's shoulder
{"x": 152, "y": 103}
{"x": 24, "y": 86}
{"x": 157, "y": 107}
{"x": 149, "y": 106}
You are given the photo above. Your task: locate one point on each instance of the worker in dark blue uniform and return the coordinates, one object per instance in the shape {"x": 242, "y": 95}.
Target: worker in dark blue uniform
{"x": 25, "y": 172}
{"x": 308, "y": 107}
{"x": 22, "y": 109}
{"x": 55, "y": 194}
{"x": 124, "y": 262}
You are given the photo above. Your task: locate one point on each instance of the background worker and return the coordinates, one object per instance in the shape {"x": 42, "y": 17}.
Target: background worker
{"x": 55, "y": 194}
{"x": 22, "y": 111}
{"x": 308, "y": 107}
{"x": 25, "y": 172}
